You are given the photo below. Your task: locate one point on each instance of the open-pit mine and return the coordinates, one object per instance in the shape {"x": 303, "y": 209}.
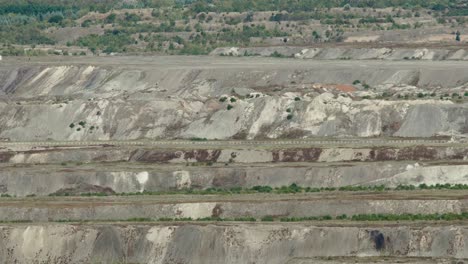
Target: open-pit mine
{"x": 225, "y": 159}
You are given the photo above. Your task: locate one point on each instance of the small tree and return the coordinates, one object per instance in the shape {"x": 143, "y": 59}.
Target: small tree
{"x": 457, "y": 36}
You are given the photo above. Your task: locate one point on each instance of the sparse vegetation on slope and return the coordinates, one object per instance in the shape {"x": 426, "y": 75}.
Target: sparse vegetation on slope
{"x": 148, "y": 26}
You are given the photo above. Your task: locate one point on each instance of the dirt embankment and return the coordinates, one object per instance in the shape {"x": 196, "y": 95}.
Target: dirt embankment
{"x": 68, "y": 179}
{"x": 351, "y": 53}
{"x": 257, "y": 206}
{"x": 240, "y": 243}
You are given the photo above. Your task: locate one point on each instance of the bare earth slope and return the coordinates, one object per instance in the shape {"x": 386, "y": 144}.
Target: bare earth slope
{"x": 179, "y": 97}
{"x": 281, "y": 161}
{"x": 227, "y": 243}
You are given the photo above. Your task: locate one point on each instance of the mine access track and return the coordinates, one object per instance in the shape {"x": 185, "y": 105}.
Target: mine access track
{"x": 259, "y": 143}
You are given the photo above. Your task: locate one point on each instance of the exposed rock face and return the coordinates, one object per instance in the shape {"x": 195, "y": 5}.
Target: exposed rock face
{"x": 171, "y": 99}
{"x": 241, "y": 243}
{"x": 164, "y": 98}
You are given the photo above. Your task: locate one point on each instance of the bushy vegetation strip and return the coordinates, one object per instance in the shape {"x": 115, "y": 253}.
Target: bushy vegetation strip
{"x": 293, "y": 188}
{"x": 356, "y": 218}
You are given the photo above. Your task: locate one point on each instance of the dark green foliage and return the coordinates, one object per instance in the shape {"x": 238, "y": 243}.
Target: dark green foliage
{"x": 94, "y": 194}
{"x": 56, "y": 19}
{"x": 110, "y": 18}
{"x": 267, "y": 218}
{"x": 276, "y": 54}
{"x": 29, "y": 8}
{"x": 26, "y": 34}
{"x": 262, "y": 189}
{"x": 113, "y": 41}
{"x": 198, "y": 139}
{"x": 309, "y": 5}
{"x": 132, "y": 17}
{"x": 86, "y": 23}
{"x": 359, "y": 217}
{"x": 229, "y": 107}
{"x": 342, "y": 217}
{"x": 194, "y": 49}
{"x": 294, "y": 188}
{"x": 31, "y": 18}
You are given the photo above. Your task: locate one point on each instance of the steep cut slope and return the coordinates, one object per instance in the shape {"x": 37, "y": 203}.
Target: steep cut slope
{"x": 220, "y": 98}
{"x": 225, "y": 243}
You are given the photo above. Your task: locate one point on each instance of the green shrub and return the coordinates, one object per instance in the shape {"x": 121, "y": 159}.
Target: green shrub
{"x": 276, "y": 54}
{"x": 262, "y": 189}
{"x": 85, "y": 24}
{"x": 229, "y": 107}
{"x": 55, "y": 19}
{"x": 245, "y": 219}
{"x": 198, "y": 139}
{"x": 110, "y": 18}
{"x": 131, "y": 17}
{"x": 267, "y": 218}
{"x": 342, "y": 217}
{"x": 139, "y": 219}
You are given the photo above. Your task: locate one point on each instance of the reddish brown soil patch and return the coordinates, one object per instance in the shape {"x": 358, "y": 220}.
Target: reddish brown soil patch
{"x": 6, "y": 156}
{"x": 344, "y": 88}
{"x": 297, "y": 155}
